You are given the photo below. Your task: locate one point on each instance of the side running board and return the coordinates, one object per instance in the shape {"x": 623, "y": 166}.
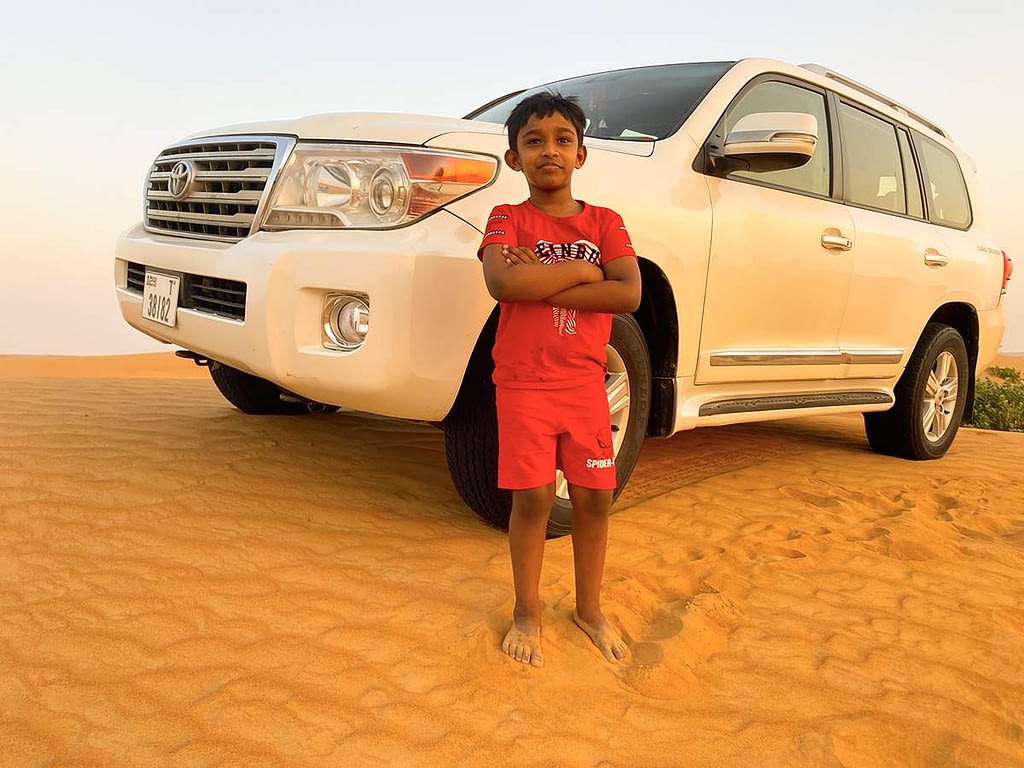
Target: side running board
{"x": 793, "y": 402}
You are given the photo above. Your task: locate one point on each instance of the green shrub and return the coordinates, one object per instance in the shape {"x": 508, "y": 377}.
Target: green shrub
{"x": 999, "y": 400}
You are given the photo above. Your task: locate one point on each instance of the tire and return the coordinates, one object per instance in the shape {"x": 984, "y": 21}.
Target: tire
{"x": 471, "y": 430}
{"x": 930, "y": 399}
{"x": 259, "y": 397}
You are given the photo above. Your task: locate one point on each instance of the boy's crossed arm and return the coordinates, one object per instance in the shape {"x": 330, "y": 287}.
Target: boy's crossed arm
{"x": 618, "y": 291}
{"x": 516, "y": 274}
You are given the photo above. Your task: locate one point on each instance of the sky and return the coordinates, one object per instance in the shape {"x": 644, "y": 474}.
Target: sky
{"x": 90, "y": 93}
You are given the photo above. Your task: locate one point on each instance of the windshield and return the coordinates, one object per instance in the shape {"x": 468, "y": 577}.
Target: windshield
{"x": 639, "y": 104}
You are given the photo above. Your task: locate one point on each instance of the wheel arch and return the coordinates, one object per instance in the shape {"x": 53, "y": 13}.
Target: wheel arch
{"x": 480, "y": 365}
{"x": 964, "y": 319}
{"x": 658, "y": 319}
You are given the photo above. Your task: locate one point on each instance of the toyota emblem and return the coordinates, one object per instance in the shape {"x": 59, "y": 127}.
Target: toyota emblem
{"x": 179, "y": 182}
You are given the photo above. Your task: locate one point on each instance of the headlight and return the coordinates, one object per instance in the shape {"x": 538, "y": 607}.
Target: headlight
{"x": 338, "y": 186}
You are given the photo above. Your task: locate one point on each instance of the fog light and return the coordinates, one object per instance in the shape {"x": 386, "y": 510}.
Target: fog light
{"x": 346, "y": 322}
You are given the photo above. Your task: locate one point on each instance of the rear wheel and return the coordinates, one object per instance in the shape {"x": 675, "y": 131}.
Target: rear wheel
{"x": 471, "y": 430}
{"x": 253, "y": 395}
{"x": 930, "y": 399}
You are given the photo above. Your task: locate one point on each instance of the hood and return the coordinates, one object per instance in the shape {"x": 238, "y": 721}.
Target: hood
{"x": 374, "y": 127}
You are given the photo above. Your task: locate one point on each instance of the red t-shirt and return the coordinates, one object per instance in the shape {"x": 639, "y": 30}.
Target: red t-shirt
{"x": 540, "y": 345}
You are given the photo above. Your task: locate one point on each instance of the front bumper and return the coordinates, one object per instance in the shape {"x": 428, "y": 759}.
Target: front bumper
{"x": 427, "y": 303}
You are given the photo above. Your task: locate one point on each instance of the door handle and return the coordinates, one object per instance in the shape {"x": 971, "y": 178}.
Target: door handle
{"x": 935, "y": 259}
{"x": 835, "y": 241}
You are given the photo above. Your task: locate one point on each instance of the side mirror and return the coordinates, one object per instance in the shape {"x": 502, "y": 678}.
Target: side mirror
{"x": 770, "y": 141}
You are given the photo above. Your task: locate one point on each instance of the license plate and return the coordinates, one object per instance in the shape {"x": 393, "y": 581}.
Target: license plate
{"x": 160, "y": 298}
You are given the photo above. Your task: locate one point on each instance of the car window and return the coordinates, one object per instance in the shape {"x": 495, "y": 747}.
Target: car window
{"x": 640, "y": 104}
{"x": 911, "y": 179}
{"x": 872, "y": 166}
{"x": 948, "y": 202}
{"x": 815, "y": 175}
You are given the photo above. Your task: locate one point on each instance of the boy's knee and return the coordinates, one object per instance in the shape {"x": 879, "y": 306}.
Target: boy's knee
{"x": 590, "y": 501}
{"x": 534, "y": 502}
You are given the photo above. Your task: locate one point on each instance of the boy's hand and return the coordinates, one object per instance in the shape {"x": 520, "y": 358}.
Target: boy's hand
{"x": 590, "y": 273}
{"x": 518, "y": 254}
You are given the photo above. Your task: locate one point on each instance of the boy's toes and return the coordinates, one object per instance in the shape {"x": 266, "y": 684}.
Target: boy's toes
{"x": 619, "y": 650}
{"x": 604, "y": 637}
{"x": 523, "y": 646}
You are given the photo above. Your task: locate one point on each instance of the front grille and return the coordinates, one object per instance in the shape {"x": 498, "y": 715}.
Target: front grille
{"x": 213, "y": 295}
{"x": 211, "y": 189}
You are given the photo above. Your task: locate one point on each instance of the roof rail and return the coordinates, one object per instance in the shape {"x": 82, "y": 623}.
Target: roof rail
{"x": 839, "y": 78}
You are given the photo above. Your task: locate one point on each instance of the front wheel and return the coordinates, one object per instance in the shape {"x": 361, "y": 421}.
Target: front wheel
{"x": 930, "y": 399}
{"x": 471, "y": 431}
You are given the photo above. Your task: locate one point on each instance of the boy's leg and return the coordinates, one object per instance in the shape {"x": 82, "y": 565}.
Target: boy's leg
{"x": 590, "y": 511}
{"x": 527, "y": 530}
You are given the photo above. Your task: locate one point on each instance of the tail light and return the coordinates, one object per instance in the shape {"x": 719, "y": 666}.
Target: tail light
{"x": 1007, "y": 269}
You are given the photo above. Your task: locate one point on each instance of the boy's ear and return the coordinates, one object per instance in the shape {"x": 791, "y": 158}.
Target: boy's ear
{"x": 512, "y": 160}
{"x": 581, "y": 156}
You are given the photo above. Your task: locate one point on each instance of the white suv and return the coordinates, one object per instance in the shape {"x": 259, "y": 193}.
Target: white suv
{"x": 807, "y": 245}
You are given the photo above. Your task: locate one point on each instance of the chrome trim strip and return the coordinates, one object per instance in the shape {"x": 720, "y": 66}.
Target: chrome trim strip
{"x": 235, "y": 219}
{"x": 875, "y": 357}
{"x": 250, "y": 196}
{"x": 806, "y": 357}
{"x": 759, "y": 135}
{"x": 249, "y": 174}
{"x": 265, "y": 154}
{"x": 792, "y": 402}
{"x": 285, "y": 145}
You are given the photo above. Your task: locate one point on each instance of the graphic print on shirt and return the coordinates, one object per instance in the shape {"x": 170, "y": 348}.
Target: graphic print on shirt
{"x": 552, "y": 253}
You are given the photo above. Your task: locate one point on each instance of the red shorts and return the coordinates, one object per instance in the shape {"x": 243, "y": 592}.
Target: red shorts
{"x": 541, "y": 430}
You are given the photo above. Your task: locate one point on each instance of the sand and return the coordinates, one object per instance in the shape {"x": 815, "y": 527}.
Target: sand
{"x": 183, "y": 585}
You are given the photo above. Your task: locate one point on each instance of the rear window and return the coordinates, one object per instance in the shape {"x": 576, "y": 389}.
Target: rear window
{"x": 944, "y": 186}
{"x": 639, "y": 104}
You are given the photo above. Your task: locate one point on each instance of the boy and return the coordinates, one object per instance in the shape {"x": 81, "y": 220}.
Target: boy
{"x": 559, "y": 268}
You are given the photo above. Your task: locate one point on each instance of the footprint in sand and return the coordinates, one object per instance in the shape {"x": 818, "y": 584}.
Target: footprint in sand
{"x": 868, "y": 534}
{"x": 667, "y": 623}
{"x": 814, "y": 499}
{"x": 699, "y": 554}
{"x": 769, "y": 554}
{"x": 647, "y": 654}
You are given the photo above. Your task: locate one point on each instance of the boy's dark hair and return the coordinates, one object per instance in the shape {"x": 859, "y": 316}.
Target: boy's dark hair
{"x": 544, "y": 104}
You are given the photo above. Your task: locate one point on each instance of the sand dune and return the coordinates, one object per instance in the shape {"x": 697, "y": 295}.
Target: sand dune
{"x": 183, "y": 585}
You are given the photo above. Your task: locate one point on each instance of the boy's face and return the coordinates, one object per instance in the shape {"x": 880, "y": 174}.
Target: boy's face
{"x": 547, "y": 152}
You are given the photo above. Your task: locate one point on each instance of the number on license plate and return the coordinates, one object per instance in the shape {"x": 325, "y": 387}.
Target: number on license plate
{"x": 160, "y": 298}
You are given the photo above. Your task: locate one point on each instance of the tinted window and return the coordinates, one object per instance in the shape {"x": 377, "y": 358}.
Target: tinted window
{"x": 872, "y": 168}
{"x": 631, "y": 104}
{"x": 944, "y": 185}
{"x": 915, "y": 205}
{"x": 815, "y": 175}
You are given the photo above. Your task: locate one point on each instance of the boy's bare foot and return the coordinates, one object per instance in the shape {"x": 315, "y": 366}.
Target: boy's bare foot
{"x": 522, "y": 643}
{"x": 603, "y": 636}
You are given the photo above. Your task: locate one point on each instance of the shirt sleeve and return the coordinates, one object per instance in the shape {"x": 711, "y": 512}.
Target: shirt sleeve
{"x": 615, "y": 240}
{"x": 500, "y": 229}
